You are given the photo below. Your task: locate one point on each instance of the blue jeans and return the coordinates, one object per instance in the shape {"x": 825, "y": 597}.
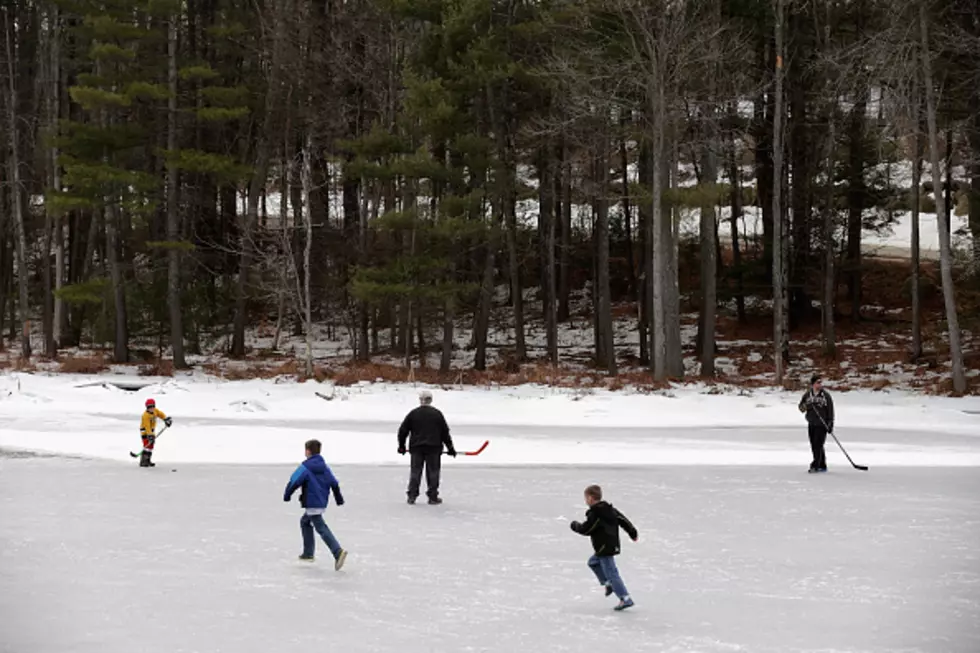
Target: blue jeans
{"x": 604, "y": 568}
{"x": 306, "y": 525}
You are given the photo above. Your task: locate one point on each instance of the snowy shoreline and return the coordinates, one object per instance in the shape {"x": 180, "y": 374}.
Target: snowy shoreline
{"x": 266, "y": 421}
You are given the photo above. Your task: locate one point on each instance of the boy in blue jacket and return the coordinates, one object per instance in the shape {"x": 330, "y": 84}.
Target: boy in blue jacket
{"x": 315, "y": 481}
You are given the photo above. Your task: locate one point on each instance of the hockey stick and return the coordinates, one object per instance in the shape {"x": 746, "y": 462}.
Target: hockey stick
{"x": 863, "y": 468}
{"x": 136, "y": 455}
{"x": 476, "y": 452}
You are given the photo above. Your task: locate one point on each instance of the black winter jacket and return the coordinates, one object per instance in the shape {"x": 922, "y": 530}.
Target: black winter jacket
{"x": 428, "y": 430}
{"x": 818, "y": 405}
{"x": 602, "y": 524}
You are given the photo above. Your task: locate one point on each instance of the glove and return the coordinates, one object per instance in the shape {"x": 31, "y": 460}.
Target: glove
{"x": 830, "y": 427}
{"x": 169, "y": 421}
{"x": 451, "y": 452}
{"x": 401, "y": 450}
{"x": 575, "y": 526}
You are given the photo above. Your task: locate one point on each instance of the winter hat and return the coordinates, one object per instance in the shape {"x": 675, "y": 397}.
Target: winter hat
{"x": 816, "y": 378}
{"x": 425, "y": 397}
{"x": 151, "y": 403}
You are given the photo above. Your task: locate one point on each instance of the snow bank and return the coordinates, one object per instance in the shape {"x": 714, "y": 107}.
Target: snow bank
{"x": 267, "y": 421}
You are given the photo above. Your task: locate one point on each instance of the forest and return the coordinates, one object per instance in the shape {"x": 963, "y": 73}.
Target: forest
{"x": 175, "y": 174}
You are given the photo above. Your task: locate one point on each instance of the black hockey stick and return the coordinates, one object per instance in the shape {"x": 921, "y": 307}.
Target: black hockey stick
{"x": 136, "y": 455}
{"x": 863, "y": 468}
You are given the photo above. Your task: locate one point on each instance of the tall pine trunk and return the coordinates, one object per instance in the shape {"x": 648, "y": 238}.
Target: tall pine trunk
{"x": 945, "y": 253}
{"x": 173, "y": 215}
{"x": 120, "y": 351}
{"x": 306, "y": 180}
{"x": 709, "y": 265}
{"x": 658, "y": 237}
{"x": 829, "y": 274}
{"x": 16, "y": 192}
{"x": 547, "y": 249}
{"x": 777, "y": 201}
{"x": 565, "y": 245}
{"x": 915, "y": 253}
{"x": 607, "y": 351}
{"x": 50, "y": 77}
{"x": 645, "y": 174}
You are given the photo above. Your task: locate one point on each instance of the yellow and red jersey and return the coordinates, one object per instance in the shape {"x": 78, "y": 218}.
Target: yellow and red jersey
{"x": 148, "y": 423}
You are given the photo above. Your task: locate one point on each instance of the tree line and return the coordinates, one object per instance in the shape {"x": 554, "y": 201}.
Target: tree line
{"x": 173, "y": 171}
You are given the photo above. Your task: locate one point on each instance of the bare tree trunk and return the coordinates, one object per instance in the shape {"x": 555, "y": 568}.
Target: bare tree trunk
{"x": 644, "y": 170}
{"x": 607, "y": 351}
{"x": 363, "y": 323}
{"x": 855, "y": 199}
{"x": 915, "y": 246}
{"x": 59, "y": 240}
{"x": 260, "y": 173}
{"x": 945, "y": 253}
{"x": 306, "y": 179}
{"x": 829, "y": 274}
{"x": 709, "y": 224}
{"x": 50, "y": 78}
{"x": 173, "y": 216}
{"x": 735, "y": 178}
{"x": 514, "y": 266}
{"x": 120, "y": 351}
{"x": 448, "y": 328}
{"x": 672, "y": 300}
{"x": 659, "y": 237}
{"x": 547, "y": 224}
{"x": 482, "y": 322}
{"x": 973, "y": 135}
{"x": 410, "y": 200}
{"x": 17, "y": 195}
{"x": 709, "y": 270}
{"x": 565, "y": 246}
{"x": 627, "y": 208}
{"x": 777, "y": 197}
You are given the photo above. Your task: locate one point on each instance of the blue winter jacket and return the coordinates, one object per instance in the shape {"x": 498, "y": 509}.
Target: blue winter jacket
{"x": 316, "y": 481}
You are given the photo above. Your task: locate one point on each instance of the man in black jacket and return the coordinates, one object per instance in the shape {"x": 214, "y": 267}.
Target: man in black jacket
{"x": 429, "y": 432}
{"x": 602, "y": 524}
{"x": 819, "y": 409}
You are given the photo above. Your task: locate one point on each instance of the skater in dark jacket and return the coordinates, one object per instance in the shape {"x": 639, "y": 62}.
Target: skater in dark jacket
{"x": 819, "y": 409}
{"x": 315, "y": 481}
{"x": 426, "y": 431}
{"x": 602, "y": 524}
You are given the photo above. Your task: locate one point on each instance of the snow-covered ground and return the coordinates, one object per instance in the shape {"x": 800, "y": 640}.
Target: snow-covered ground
{"x": 265, "y": 421}
{"x": 105, "y": 558}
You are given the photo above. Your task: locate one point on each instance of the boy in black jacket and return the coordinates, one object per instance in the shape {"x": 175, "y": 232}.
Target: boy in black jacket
{"x": 602, "y": 524}
{"x": 818, "y": 406}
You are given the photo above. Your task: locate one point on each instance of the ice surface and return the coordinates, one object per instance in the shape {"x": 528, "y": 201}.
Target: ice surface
{"x": 101, "y": 557}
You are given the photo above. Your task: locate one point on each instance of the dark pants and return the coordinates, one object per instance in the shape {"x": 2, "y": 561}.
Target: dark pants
{"x": 431, "y": 461}
{"x": 818, "y": 436}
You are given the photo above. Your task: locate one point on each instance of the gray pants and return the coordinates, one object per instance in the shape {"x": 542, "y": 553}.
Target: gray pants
{"x": 431, "y": 461}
